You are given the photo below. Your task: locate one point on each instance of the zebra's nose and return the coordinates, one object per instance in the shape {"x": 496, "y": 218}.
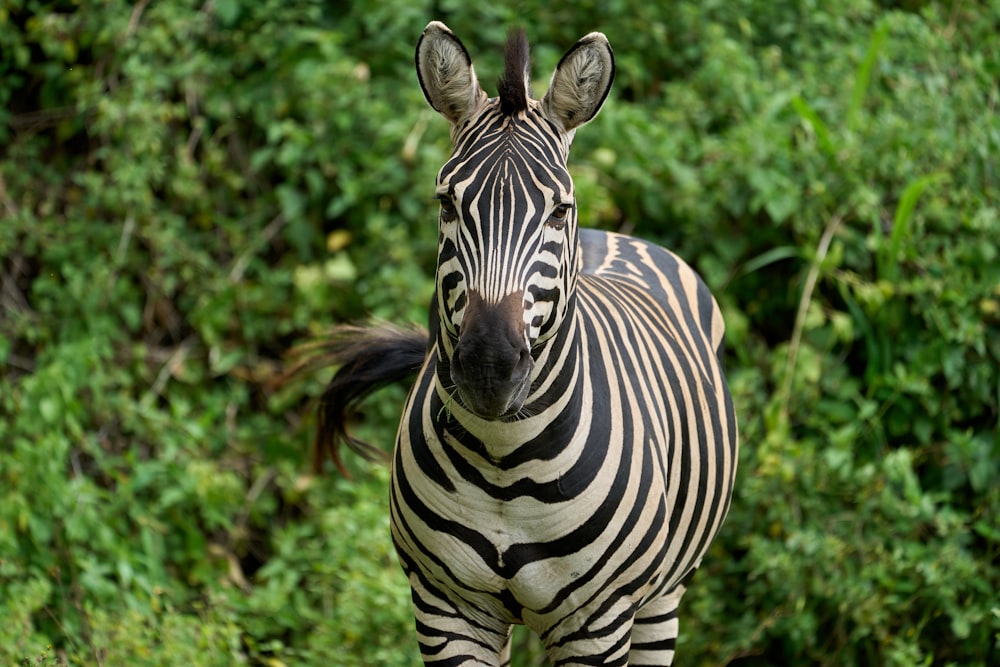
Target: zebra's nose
{"x": 490, "y": 360}
{"x": 491, "y": 363}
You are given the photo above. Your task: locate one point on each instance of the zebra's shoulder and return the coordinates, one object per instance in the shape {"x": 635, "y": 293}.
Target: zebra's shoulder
{"x": 634, "y": 264}
{"x": 612, "y": 255}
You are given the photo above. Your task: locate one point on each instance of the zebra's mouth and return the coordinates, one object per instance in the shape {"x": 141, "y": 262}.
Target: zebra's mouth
{"x": 494, "y": 400}
{"x": 489, "y": 392}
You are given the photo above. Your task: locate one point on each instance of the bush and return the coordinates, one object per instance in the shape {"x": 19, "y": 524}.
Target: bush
{"x": 190, "y": 190}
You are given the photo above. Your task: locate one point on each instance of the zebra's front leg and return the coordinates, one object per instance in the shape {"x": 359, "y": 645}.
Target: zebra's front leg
{"x": 599, "y": 634}
{"x": 453, "y": 637}
{"x": 505, "y": 653}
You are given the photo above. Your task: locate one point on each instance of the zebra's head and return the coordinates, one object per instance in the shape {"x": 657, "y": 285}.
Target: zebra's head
{"x": 508, "y": 250}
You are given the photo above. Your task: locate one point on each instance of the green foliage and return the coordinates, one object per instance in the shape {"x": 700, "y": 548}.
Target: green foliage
{"x": 188, "y": 190}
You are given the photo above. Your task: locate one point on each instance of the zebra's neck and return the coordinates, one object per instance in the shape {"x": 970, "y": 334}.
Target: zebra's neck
{"x": 555, "y": 393}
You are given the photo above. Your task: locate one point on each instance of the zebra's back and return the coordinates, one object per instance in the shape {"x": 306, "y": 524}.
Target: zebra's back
{"x": 668, "y": 279}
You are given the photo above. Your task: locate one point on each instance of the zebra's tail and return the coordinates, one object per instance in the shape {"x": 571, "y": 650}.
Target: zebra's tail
{"x": 370, "y": 358}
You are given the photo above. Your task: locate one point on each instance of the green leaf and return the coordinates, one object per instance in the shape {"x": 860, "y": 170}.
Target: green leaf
{"x": 769, "y": 257}
{"x": 227, "y": 11}
{"x": 819, "y": 128}
{"x": 862, "y": 75}
{"x": 901, "y": 224}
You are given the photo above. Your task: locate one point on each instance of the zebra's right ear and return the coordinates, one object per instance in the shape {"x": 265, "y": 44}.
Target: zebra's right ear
{"x": 446, "y": 74}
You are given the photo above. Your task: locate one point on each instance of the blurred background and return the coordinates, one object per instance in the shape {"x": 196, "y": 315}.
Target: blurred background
{"x": 190, "y": 190}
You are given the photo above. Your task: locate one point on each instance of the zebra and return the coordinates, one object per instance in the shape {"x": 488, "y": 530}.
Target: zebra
{"x": 568, "y": 449}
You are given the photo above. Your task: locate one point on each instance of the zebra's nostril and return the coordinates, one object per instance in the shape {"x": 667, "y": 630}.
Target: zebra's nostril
{"x": 523, "y": 366}
{"x": 457, "y": 368}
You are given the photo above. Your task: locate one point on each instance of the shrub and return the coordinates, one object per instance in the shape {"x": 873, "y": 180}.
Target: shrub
{"x": 189, "y": 190}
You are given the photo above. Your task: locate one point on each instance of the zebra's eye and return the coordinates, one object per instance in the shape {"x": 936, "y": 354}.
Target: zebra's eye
{"x": 448, "y": 211}
{"x": 557, "y": 220}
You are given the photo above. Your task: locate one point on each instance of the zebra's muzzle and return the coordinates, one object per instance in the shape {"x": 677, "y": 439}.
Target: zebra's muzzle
{"x": 491, "y": 364}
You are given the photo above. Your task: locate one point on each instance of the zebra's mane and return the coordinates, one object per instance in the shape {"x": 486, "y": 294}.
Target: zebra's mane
{"x": 513, "y": 85}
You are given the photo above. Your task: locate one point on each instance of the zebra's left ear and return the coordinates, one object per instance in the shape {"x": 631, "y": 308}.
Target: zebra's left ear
{"x": 581, "y": 82}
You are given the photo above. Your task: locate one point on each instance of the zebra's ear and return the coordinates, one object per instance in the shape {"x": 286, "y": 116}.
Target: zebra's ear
{"x": 446, "y": 74}
{"x": 581, "y": 82}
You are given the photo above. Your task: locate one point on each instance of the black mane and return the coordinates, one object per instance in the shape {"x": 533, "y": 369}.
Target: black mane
{"x": 511, "y": 86}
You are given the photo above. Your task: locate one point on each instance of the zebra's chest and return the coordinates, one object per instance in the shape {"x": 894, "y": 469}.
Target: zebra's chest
{"x": 534, "y": 532}
{"x": 522, "y": 548}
